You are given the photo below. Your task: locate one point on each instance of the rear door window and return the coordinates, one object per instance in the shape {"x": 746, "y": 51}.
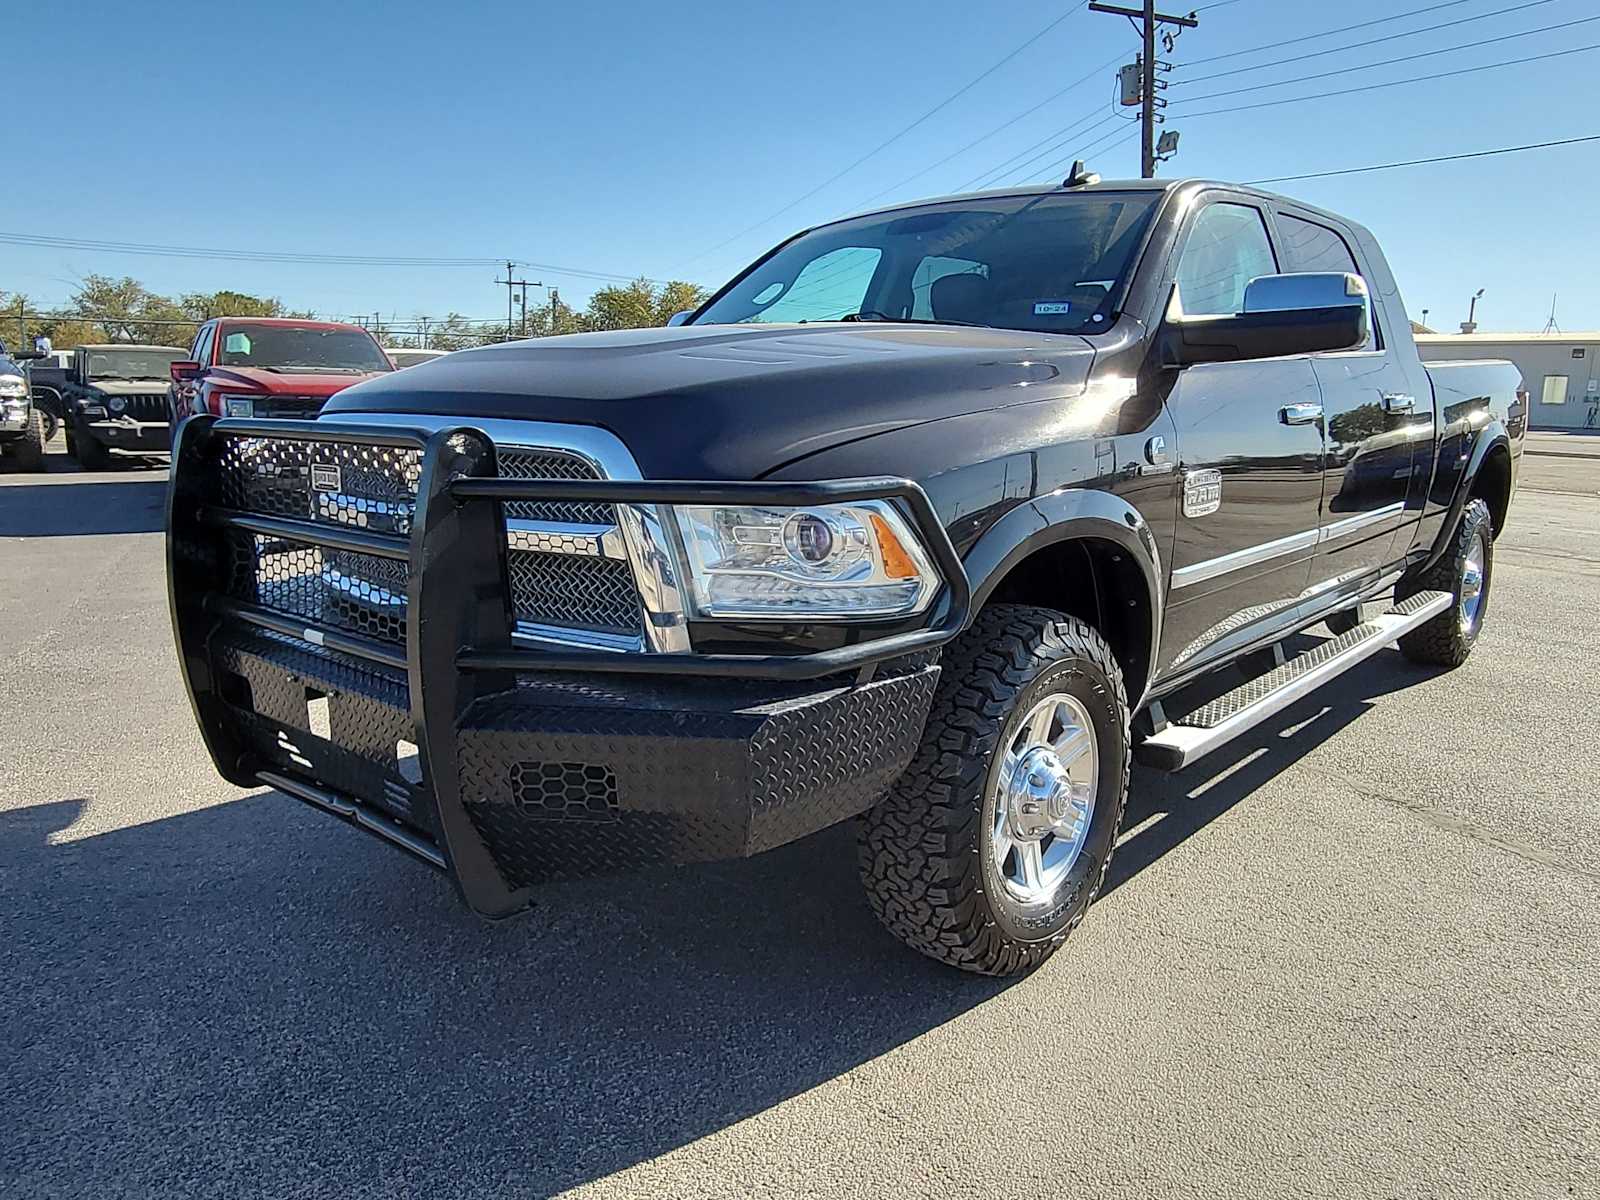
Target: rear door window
{"x": 1308, "y": 246}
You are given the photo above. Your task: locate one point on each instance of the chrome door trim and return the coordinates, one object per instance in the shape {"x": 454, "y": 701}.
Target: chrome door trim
{"x": 1359, "y": 522}
{"x": 1251, "y": 555}
{"x": 1199, "y": 572}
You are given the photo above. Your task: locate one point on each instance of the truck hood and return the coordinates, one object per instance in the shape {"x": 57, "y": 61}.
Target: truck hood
{"x": 737, "y": 401}
{"x": 278, "y": 383}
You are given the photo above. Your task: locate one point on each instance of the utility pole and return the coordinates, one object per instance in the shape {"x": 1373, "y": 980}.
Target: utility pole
{"x": 512, "y": 284}
{"x": 1147, "y": 19}
{"x": 555, "y": 308}
{"x": 522, "y": 304}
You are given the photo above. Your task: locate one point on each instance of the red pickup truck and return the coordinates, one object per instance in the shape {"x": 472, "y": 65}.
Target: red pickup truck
{"x": 271, "y": 367}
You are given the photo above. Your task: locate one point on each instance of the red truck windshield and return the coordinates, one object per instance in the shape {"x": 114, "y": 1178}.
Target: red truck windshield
{"x": 291, "y": 348}
{"x": 1050, "y": 263}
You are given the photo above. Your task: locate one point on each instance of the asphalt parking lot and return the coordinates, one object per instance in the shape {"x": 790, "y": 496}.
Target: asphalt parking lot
{"x": 1356, "y": 954}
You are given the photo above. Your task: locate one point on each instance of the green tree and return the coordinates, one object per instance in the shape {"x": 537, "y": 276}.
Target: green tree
{"x": 202, "y": 306}
{"x": 124, "y": 310}
{"x": 640, "y": 304}
{"x": 678, "y": 296}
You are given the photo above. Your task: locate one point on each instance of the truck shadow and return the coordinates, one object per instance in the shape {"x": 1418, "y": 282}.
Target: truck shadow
{"x": 1165, "y": 810}
{"x": 74, "y": 507}
{"x": 253, "y": 993}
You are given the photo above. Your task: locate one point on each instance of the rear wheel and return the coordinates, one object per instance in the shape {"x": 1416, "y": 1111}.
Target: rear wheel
{"x": 1464, "y": 570}
{"x": 995, "y": 841}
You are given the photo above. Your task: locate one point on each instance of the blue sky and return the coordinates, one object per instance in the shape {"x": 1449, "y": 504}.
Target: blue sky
{"x": 634, "y": 138}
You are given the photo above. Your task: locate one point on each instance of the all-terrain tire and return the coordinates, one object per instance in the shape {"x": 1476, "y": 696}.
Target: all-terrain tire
{"x": 924, "y": 856}
{"x": 29, "y": 451}
{"x": 91, "y": 455}
{"x": 1448, "y": 638}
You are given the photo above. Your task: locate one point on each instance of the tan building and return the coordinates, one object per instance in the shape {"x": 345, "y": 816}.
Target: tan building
{"x": 1560, "y": 370}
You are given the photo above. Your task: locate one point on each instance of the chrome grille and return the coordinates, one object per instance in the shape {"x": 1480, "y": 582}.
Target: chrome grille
{"x": 547, "y": 464}
{"x": 567, "y": 567}
{"x": 574, "y": 591}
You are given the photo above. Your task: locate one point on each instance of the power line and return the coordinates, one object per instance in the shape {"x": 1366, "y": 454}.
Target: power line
{"x": 1311, "y": 37}
{"x": 1389, "y": 62}
{"x": 293, "y": 257}
{"x": 1388, "y": 37}
{"x": 1077, "y": 83}
{"x": 1083, "y": 151}
{"x": 1372, "y": 87}
{"x": 1071, "y": 130}
{"x": 31, "y": 239}
{"x": 889, "y": 141}
{"x": 1417, "y": 162}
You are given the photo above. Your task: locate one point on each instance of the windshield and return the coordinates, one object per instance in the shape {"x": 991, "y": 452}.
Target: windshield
{"x": 132, "y": 364}
{"x": 293, "y": 348}
{"x": 1049, "y": 263}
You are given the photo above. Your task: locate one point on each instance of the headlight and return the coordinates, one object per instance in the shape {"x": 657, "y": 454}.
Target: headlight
{"x": 234, "y": 406}
{"x": 827, "y": 561}
{"x": 13, "y": 385}
{"x": 117, "y": 404}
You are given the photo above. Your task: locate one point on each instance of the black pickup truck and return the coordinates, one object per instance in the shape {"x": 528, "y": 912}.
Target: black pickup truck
{"x": 930, "y": 518}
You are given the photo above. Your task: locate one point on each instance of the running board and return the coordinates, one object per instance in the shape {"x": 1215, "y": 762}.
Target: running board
{"x": 1196, "y": 734}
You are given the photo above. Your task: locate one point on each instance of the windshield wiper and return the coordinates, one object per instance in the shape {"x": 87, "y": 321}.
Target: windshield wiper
{"x": 868, "y": 314}
{"x": 314, "y": 368}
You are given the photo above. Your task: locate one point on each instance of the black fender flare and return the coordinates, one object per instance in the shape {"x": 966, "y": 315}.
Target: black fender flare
{"x": 1071, "y": 514}
{"x": 1490, "y": 437}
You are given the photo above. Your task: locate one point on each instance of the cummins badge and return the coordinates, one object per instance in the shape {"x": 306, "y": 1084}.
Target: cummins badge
{"x": 1202, "y": 492}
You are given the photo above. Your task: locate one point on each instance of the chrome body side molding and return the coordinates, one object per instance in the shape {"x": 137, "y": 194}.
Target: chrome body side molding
{"x": 1306, "y": 539}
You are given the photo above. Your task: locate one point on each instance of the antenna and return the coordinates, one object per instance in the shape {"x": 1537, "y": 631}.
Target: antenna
{"x": 1550, "y": 326}
{"x": 1080, "y": 176}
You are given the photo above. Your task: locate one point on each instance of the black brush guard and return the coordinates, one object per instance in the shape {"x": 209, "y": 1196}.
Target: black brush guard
{"x": 459, "y": 682}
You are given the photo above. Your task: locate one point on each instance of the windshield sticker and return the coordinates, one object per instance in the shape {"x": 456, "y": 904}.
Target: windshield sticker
{"x": 237, "y": 343}
{"x": 1051, "y": 308}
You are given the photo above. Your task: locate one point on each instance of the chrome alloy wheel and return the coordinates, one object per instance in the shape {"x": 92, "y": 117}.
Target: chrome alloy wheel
{"x": 1044, "y": 798}
{"x": 1472, "y": 583}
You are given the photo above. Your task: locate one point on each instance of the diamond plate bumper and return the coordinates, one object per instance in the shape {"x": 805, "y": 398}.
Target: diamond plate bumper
{"x": 506, "y": 767}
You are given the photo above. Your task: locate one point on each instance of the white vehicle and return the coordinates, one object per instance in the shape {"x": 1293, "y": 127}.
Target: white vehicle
{"x": 410, "y": 358}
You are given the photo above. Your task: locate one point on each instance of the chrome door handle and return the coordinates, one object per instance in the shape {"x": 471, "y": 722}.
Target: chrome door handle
{"x": 1398, "y": 402}
{"x": 1300, "y": 414}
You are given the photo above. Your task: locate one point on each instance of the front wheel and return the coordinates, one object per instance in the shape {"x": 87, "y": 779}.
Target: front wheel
{"x": 989, "y": 849}
{"x": 90, "y": 453}
{"x": 1464, "y": 570}
{"x": 30, "y": 450}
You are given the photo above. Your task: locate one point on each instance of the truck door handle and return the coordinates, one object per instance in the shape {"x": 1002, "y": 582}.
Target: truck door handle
{"x": 1398, "y": 402}
{"x": 1300, "y": 414}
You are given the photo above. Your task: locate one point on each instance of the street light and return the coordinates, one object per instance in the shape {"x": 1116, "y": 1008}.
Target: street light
{"x": 1470, "y": 325}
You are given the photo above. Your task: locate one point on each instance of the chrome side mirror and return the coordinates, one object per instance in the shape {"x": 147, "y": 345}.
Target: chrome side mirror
{"x": 680, "y": 318}
{"x": 1307, "y": 289}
